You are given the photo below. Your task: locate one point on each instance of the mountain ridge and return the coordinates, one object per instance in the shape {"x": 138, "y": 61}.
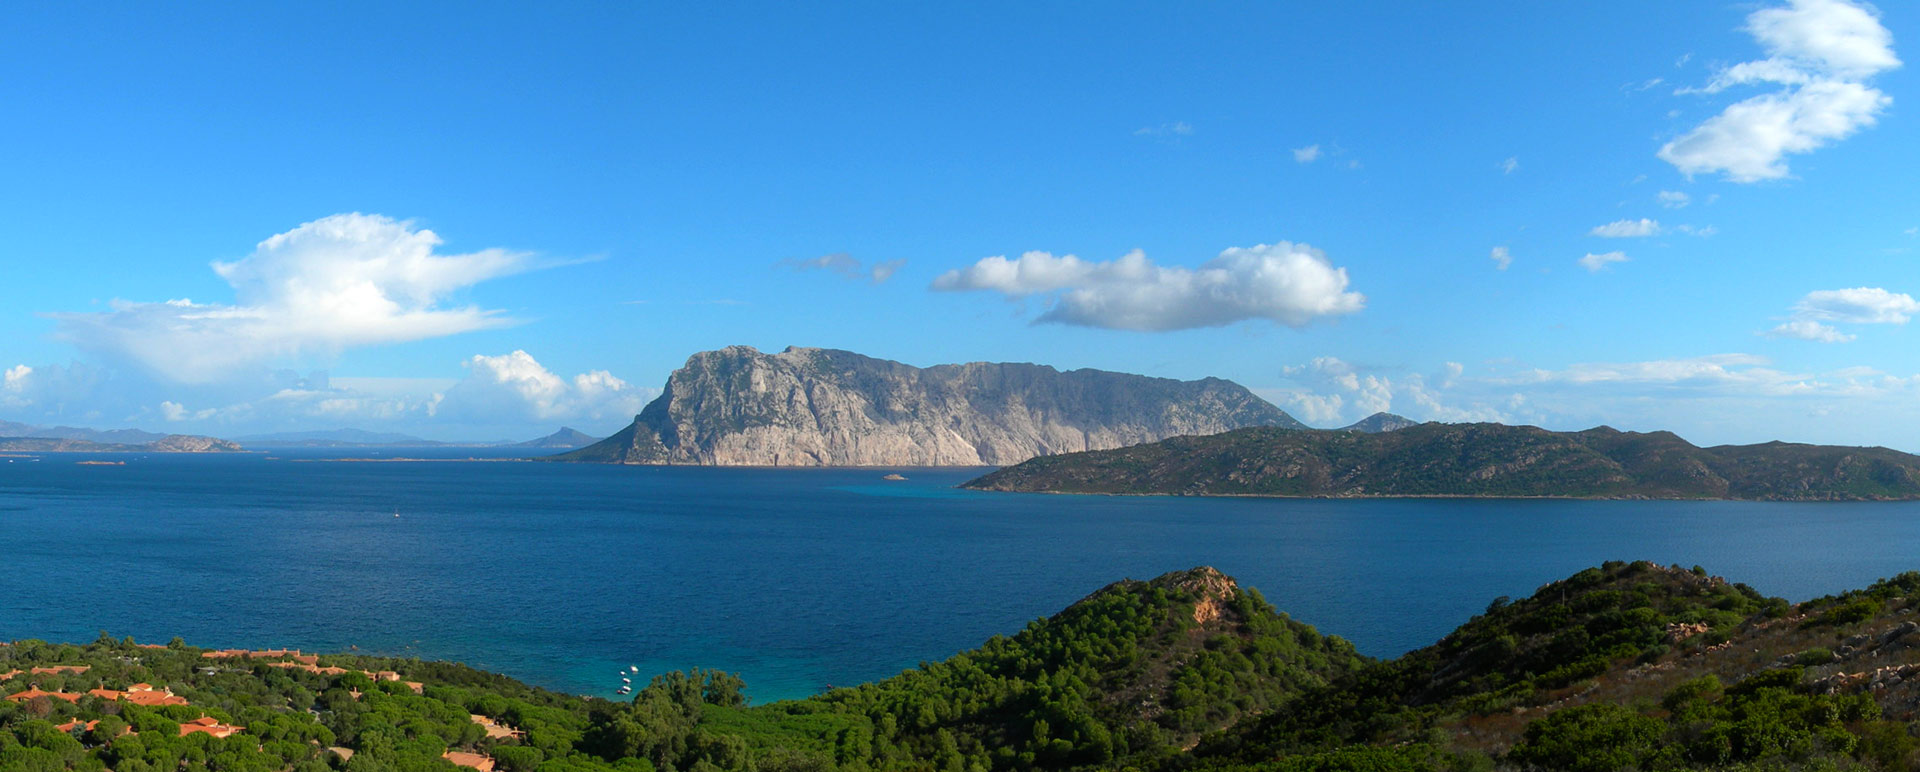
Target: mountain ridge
{"x": 1470, "y": 460}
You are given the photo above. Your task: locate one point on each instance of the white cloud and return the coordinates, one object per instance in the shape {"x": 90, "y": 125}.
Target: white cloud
{"x": 847, "y": 267}
{"x": 1175, "y": 129}
{"x": 1707, "y": 399}
{"x": 334, "y": 283}
{"x": 499, "y": 397}
{"x": 1820, "y": 53}
{"x": 1509, "y": 165}
{"x": 1810, "y": 318}
{"x": 1627, "y": 229}
{"x": 1674, "y": 199}
{"x": 1808, "y": 329}
{"x": 1330, "y": 392}
{"x": 515, "y": 384}
{"x": 1288, "y": 283}
{"x": 1703, "y": 231}
{"x": 1595, "y": 263}
{"x": 1502, "y": 259}
{"x": 1306, "y": 155}
{"x": 1861, "y": 305}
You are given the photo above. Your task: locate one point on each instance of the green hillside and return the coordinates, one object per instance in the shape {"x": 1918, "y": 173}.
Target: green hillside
{"x": 1628, "y": 666}
{"x": 1490, "y": 460}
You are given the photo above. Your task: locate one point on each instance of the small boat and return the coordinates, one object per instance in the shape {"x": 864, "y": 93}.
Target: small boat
{"x": 633, "y": 668}
{"x": 626, "y": 680}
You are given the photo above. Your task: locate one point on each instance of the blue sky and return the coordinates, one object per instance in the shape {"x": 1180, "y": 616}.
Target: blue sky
{"x": 484, "y": 221}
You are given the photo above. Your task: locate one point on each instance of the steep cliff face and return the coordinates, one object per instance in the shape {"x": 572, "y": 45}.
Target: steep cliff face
{"x": 821, "y": 407}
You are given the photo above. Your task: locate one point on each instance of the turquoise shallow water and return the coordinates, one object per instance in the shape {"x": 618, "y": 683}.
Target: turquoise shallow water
{"x": 797, "y": 579}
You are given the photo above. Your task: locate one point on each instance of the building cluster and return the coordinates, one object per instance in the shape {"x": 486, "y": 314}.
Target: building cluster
{"x": 137, "y": 694}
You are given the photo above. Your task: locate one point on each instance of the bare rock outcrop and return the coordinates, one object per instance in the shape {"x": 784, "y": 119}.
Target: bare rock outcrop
{"x": 822, "y": 407}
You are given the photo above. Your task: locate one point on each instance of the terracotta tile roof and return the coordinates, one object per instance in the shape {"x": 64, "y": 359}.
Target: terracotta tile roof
{"x": 58, "y": 669}
{"x": 77, "y": 723}
{"x": 154, "y": 699}
{"x": 106, "y": 694}
{"x": 472, "y": 760}
{"x": 10, "y": 674}
{"x": 35, "y": 691}
{"x": 209, "y": 725}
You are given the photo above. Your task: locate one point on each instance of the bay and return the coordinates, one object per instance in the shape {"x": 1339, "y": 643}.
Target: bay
{"x": 797, "y": 579}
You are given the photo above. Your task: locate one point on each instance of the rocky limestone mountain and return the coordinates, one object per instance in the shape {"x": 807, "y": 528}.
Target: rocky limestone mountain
{"x": 822, "y": 407}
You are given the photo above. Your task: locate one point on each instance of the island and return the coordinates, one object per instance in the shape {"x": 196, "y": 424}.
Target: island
{"x": 1472, "y": 460}
{"x": 824, "y": 407}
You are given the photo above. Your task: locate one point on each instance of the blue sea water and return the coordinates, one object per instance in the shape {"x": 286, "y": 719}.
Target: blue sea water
{"x": 562, "y": 575}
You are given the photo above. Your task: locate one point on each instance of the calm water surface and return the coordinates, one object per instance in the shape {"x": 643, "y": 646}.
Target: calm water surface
{"x": 561, "y": 574}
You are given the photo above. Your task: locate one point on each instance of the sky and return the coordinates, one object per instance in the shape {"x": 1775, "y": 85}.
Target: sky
{"x": 484, "y": 221}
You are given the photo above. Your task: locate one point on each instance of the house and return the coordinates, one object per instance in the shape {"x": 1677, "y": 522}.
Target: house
{"x": 58, "y": 669}
{"x": 209, "y": 725}
{"x": 141, "y": 694}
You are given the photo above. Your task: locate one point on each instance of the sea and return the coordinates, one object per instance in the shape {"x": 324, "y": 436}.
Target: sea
{"x": 571, "y": 577}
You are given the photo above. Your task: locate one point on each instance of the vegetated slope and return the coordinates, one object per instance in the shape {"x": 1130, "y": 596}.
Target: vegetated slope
{"x": 1624, "y": 667}
{"x": 822, "y": 407}
{"x": 1483, "y": 459}
{"x": 1628, "y": 666}
{"x": 1133, "y": 672}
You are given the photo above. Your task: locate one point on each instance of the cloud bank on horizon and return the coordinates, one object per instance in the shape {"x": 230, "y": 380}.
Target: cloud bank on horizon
{"x": 311, "y": 293}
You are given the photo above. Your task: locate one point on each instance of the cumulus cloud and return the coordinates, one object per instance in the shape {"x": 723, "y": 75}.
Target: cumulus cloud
{"x": 1860, "y": 305}
{"x": 1820, "y": 55}
{"x": 1808, "y": 329}
{"x": 517, "y": 384}
{"x": 1330, "y": 392}
{"x": 1306, "y": 155}
{"x": 334, "y": 283}
{"x": 1596, "y": 263}
{"x": 1502, "y": 259}
{"x": 1674, "y": 199}
{"x": 1813, "y": 318}
{"x": 499, "y": 397}
{"x": 1627, "y": 229}
{"x": 1288, "y": 283}
{"x": 1707, "y": 399}
{"x": 846, "y": 267}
